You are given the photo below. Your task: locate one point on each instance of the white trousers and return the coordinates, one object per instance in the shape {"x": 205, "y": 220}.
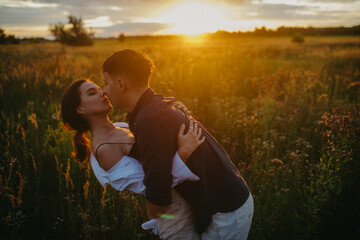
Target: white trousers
{"x": 233, "y": 225}
{"x": 182, "y": 225}
{"x": 224, "y": 226}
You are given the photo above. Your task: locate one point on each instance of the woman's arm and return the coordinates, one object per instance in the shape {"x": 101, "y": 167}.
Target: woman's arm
{"x": 190, "y": 141}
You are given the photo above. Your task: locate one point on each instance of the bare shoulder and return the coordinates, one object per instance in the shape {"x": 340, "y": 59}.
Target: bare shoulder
{"x": 113, "y": 148}
{"x": 108, "y": 154}
{"x": 123, "y": 132}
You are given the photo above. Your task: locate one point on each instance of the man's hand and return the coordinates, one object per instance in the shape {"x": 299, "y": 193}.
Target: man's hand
{"x": 154, "y": 211}
{"x": 190, "y": 141}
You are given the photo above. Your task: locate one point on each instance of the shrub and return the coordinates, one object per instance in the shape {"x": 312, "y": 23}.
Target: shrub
{"x": 76, "y": 35}
{"x": 335, "y": 179}
{"x": 10, "y": 39}
{"x": 121, "y": 37}
{"x": 298, "y": 38}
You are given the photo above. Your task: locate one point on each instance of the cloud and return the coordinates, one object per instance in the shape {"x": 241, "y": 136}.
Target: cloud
{"x": 131, "y": 28}
{"x": 290, "y": 10}
{"x": 334, "y": 1}
{"x": 27, "y": 4}
{"x": 102, "y": 21}
{"x": 13, "y": 16}
{"x": 110, "y": 17}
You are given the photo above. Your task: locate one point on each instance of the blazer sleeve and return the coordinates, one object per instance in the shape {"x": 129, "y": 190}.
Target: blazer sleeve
{"x": 157, "y": 142}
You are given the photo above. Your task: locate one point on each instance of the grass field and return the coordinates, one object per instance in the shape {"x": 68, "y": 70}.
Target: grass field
{"x": 286, "y": 113}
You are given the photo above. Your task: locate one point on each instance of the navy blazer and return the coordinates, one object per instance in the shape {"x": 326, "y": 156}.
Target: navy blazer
{"x": 155, "y": 123}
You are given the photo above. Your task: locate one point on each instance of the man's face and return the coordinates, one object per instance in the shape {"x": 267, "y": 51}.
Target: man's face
{"x": 113, "y": 90}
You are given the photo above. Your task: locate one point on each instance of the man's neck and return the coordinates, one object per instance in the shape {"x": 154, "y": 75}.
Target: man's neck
{"x": 135, "y": 98}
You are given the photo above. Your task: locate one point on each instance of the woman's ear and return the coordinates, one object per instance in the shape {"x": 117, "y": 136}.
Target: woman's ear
{"x": 80, "y": 110}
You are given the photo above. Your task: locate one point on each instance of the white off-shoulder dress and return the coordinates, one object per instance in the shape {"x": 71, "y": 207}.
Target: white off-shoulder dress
{"x": 128, "y": 174}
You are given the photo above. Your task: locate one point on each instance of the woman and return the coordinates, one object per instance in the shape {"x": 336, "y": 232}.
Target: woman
{"x": 85, "y": 108}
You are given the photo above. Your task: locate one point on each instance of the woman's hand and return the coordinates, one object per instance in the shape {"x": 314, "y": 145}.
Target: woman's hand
{"x": 190, "y": 141}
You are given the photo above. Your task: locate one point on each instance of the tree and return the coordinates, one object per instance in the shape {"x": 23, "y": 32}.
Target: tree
{"x": 7, "y": 39}
{"x": 121, "y": 37}
{"x": 76, "y": 35}
{"x": 2, "y": 36}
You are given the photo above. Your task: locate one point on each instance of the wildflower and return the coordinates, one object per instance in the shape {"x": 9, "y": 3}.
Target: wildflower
{"x": 271, "y": 173}
{"x": 21, "y": 187}
{"x": 323, "y": 96}
{"x": 67, "y": 176}
{"x": 56, "y": 115}
{"x": 103, "y": 200}
{"x": 353, "y": 84}
{"x": 12, "y": 200}
{"x": 277, "y": 161}
{"x": 32, "y": 119}
{"x": 86, "y": 189}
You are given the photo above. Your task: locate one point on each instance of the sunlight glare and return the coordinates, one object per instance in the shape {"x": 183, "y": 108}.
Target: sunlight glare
{"x": 194, "y": 18}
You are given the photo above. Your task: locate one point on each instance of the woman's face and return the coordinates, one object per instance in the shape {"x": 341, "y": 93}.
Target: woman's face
{"x": 93, "y": 100}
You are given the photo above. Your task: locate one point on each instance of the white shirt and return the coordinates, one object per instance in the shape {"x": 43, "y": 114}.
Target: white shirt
{"x": 128, "y": 173}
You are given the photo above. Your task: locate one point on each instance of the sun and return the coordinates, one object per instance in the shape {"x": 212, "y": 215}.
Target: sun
{"x": 194, "y": 18}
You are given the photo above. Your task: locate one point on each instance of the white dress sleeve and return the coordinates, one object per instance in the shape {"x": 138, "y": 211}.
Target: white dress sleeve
{"x": 129, "y": 174}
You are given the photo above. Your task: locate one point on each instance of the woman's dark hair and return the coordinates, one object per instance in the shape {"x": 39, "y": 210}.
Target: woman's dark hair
{"x": 135, "y": 64}
{"x": 70, "y": 101}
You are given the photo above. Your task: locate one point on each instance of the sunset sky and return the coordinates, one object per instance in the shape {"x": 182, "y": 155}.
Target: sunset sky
{"x": 134, "y": 17}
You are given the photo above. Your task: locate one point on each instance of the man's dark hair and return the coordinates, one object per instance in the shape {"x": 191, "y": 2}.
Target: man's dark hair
{"x": 136, "y": 65}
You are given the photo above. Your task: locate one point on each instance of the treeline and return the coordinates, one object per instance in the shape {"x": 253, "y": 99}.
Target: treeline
{"x": 77, "y": 35}
{"x": 290, "y": 31}
{"x": 10, "y": 39}
{"x": 263, "y": 31}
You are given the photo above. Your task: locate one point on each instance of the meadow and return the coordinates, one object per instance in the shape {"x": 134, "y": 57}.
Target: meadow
{"x": 288, "y": 115}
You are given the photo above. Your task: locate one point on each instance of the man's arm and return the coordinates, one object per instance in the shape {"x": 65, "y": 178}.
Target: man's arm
{"x": 157, "y": 143}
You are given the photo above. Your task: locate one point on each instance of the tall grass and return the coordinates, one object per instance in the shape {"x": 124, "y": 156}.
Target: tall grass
{"x": 262, "y": 98}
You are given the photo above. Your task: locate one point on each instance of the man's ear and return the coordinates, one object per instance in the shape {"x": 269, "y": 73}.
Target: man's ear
{"x": 80, "y": 110}
{"x": 122, "y": 84}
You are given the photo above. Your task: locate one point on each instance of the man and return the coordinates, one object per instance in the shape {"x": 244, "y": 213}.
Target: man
{"x": 222, "y": 206}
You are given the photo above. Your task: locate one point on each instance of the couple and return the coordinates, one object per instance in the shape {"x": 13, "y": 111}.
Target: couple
{"x": 192, "y": 189}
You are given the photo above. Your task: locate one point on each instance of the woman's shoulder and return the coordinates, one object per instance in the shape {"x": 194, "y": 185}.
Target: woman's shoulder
{"x": 108, "y": 154}
{"x": 123, "y": 162}
{"x": 122, "y": 133}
